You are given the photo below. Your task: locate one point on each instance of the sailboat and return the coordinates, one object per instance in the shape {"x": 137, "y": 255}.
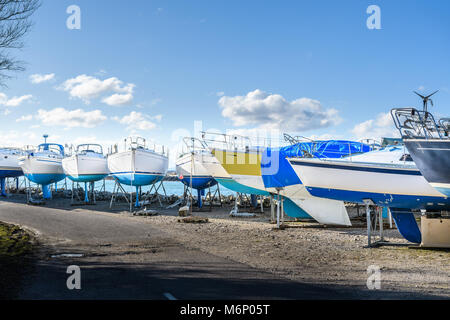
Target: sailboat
{"x": 137, "y": 164}
{"x": 87, "y": 165}
{"x": 190, "y": 169}
{"x": 44, "y": 165}
{"x": 427, "y": 141}
{"x": 265, "y": 169}
{"x": 387, "y": 177}
{"x": 9, "y": 166}
{"x": 215, "y": 168}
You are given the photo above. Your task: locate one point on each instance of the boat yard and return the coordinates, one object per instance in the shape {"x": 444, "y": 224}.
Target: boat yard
{"x": 333, "y": 260}
{"x": 235, "y": 151}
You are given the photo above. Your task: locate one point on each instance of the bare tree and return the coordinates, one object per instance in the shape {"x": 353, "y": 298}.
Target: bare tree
{"x": 15, "y": 23}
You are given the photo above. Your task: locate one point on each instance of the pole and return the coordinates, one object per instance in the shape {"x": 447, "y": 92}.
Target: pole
{"x": 278, "y": 210}
{"x": 381, "y": 223}
{"x": 272, "y": 209}
{"x": 86, "y": 193}
{"x": 369, "y": 225}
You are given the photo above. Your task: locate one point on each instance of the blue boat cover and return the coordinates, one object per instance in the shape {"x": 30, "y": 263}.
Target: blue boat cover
{"x": 277, "y": 172}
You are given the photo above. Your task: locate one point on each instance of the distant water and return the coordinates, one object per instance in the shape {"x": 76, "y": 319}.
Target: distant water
{"x": 171, "y": 187}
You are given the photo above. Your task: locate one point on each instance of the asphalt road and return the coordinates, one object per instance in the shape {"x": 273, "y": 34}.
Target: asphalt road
{"x": 124, "y": 258}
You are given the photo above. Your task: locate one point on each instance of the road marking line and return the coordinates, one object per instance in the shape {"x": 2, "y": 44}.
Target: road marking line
{"x": 169, "y": 296}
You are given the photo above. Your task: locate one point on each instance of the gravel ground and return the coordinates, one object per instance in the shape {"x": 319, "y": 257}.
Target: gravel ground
{"x": 313, "y": 254}
{"x": 307, "y": 253}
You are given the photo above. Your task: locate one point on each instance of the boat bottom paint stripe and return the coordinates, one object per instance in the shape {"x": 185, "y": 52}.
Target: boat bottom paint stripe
{"x": 137, "y": 172}
{"x": 354, "y": 168}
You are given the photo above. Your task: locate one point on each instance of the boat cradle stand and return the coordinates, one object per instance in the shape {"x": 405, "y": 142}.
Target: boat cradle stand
{"x": 120, "y": 192}
{"x": 89, "y": 188}
{"x": 375, "y": 221}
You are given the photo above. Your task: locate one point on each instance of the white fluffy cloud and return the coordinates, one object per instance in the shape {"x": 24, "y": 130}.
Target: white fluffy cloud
{"x": 272, "y": 111}
{"x": 39, "y": 78}
{"x": 70, "y": 118}
{"x": 19, "y": 139}
{"x": 382, "y": 126}
{"x": 14, "y": 101}
{"x": 87, "y": 87}
{"x": 25, "y": 118}
{"x": 118, "y": 99}
{"x": 136, "y": 121}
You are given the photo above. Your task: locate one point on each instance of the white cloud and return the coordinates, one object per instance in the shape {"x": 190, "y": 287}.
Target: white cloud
{"x": 87, "y": 87}
{"x": 39, "y": 78}
{"x": 18, "y": 139}
{"x": 272, "y": 111}
{"x": 6, "y": 112}
{"x": 158, "y": 117}
{"x": 71, "y": 118}
{"x": 382, "y": 126}
{"x": 25, "y": 118}
{"x": 136, "y": 121}
{"x": 118, "y": 99}
{"x": 14, "y": 101}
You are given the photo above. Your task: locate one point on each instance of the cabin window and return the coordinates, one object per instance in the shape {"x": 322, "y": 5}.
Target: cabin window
{"x": 406, "y": 157}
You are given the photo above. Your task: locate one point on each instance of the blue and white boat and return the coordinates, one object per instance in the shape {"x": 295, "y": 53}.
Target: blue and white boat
{"x": 9, "y": 166}
{"x": 86, "y": 165}
{"x": 387, "y": 177}
{"x": 190, "y": 169}
{"x": 44, "y": 166}
{"x": 267, "y": 171}
{"x": 137, "y": 164}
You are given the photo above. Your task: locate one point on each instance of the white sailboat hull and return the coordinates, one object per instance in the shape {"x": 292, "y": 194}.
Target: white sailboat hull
{"x": 42, "y": 170}
{"x": 137, "y": 167}
{"x": 84, "y": 168}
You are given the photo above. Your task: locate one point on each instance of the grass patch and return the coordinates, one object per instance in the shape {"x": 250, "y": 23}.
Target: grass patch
{"x": 13, "y": 241}
{"x": 15, "y": 246}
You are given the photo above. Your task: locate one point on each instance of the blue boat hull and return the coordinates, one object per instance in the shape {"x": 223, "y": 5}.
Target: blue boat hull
{"x": 10, "y": 173}
{"x": 88, "y": 178}
{"x": 381, "y": 199}
{"x": 45, "y": 178}
{"x": 199, "y": 182}
{"x": 137, "y": 179}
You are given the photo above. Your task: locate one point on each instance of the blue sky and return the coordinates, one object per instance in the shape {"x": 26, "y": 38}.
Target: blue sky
{"x": 154, "y": 67}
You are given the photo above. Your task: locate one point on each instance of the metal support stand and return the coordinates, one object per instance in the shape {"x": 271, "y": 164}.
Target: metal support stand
{"x": 272, "y": 208}
{"x": 374, "y": 218}
{"x": 278, "y": 210}
{"x": 118, "y": 187}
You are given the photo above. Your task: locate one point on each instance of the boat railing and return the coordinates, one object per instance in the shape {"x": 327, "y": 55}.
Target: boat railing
{"x": 53, "y": 148}
{"x": 89, "y": 147}
{"x": 414, "y": 124}
{"x": 139, "y": 143}
{"x": 12, "y": 151}
{"x": 28, "y": 148}
{"x": 193, "y": 145}
{"x": 295, "y": 139}
{"x": 238, "y": 142}
{"x": 444, "y": 125}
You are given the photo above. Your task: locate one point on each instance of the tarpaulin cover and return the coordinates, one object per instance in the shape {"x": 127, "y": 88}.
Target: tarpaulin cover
{"x": 277, "y": 172}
